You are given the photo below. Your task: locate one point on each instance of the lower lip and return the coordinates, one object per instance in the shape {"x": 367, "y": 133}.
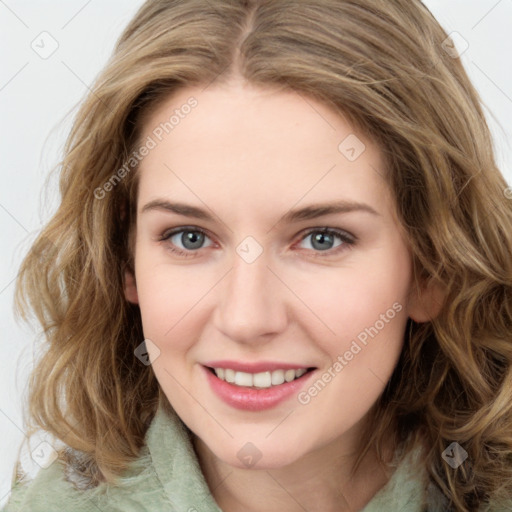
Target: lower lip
{"x": 250, "y": 399}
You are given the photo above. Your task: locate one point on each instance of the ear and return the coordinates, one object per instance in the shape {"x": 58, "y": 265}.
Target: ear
{"x": 426, "y": 300}
{"x": 130, "y": 287}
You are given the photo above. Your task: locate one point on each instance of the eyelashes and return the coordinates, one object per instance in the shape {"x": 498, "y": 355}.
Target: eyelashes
{"x": 199, "y": 236}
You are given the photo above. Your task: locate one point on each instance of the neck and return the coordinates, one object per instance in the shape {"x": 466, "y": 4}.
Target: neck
{"x": 320, "y": 481}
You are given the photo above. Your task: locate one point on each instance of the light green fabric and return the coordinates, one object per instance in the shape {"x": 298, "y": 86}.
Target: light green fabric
{"x": 167, "y": 477}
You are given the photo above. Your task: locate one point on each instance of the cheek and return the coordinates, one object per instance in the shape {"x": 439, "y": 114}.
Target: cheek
{"x": 169, "y": 299}
{"x": 347, "y": 301}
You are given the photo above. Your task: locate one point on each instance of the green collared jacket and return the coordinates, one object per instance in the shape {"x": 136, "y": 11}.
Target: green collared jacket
{"x": 167, "y": 477}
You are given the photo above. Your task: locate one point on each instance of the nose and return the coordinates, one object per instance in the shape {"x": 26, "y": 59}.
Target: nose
{"x": 252, "y": 307}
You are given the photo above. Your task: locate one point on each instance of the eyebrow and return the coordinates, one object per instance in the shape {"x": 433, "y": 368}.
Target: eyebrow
{"x": 306, "y": 213}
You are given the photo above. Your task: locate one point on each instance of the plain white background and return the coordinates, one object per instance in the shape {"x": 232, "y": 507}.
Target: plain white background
{"x": 38, "y": 90}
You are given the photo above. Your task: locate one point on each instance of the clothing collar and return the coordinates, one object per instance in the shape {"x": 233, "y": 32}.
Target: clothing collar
{"x": 176, "y": 463}
{"x": 177, "y": 467}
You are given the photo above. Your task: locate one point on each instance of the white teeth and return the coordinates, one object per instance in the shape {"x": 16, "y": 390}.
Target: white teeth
{"x": 258, "y": 380}
{"x": 289, "y": 375}
{"x": 277, "y": 377}
{"x": 243, "y": 379}
{"x": 262, "y": 380}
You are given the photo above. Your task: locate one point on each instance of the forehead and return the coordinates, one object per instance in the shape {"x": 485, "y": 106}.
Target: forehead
{"x": 245, "y": 146}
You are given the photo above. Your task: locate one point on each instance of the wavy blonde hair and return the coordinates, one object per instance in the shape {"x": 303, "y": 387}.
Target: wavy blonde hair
{"x": 383, "y": 66}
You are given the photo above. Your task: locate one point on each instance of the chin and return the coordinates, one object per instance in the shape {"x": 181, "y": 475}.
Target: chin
{"x": 248, "y": 455}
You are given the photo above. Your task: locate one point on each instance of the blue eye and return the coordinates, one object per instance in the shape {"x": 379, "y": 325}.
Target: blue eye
{"x": 191, "y": 240}
{"x": 324, "y": 240}
{"x": 187, "y": 241}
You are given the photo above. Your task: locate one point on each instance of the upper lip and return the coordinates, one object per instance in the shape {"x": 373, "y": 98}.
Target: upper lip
{"x": 255, "y": 367}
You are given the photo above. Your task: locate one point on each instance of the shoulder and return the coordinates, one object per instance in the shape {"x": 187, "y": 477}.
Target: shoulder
{"x": 48, "y": 490}
{"x": 165, "y": 476}
{"x": 60, "y": 487}
{"x": 410, "y": 488}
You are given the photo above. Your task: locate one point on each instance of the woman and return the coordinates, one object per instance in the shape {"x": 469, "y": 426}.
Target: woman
{"x": 211, "y": 352}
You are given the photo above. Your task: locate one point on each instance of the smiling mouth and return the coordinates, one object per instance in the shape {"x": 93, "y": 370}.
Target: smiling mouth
{"x": 260, "y": 380}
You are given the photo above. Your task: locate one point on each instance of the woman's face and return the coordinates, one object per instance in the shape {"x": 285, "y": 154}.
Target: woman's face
{"x": 234, "y": 271}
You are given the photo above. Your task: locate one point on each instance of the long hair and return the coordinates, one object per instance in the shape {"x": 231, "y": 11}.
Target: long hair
{"x": 386, "y": 68}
